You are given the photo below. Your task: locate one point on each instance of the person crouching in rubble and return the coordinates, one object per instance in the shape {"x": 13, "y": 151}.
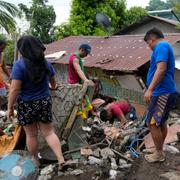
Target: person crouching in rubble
{"x": 118, "y": 110}
{"x": 31, "y": 75}
{"x": 161, "y": 93}
{"x": 76, "y": 66}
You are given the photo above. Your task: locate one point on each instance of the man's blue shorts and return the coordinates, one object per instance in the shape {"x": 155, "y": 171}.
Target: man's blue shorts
{"x": 159, "y": 107}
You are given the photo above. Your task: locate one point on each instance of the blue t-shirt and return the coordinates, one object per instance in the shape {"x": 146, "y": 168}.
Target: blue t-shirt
{"x": 163, "y": 52}
{"x": 29, "y": 90}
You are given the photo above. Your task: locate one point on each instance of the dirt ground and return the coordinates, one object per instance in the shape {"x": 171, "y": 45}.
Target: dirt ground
{"x": 140, "y": 170}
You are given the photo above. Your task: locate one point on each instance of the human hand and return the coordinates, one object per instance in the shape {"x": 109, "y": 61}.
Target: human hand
{"x": 89, "y": 82}
{"x": 147, "y": 96}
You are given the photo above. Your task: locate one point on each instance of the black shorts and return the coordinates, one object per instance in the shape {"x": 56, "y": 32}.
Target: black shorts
{"x": 34, "y": 111}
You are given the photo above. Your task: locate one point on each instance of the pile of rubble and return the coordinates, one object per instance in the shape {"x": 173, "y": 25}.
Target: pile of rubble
{"x": 110, "y": 150}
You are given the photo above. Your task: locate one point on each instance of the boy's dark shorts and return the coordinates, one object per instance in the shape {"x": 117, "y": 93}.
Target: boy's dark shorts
{"x": 159, "y": 108}
{"x": 35, "y": 111}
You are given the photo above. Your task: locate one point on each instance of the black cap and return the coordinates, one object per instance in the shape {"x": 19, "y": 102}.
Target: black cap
{"x": 86, "y": 47}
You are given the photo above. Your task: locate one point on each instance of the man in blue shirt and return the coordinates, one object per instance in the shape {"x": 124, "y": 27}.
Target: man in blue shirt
{"x": 161, "y": 92}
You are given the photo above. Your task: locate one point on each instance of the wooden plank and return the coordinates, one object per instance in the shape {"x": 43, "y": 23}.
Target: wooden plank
{"x": 70, "y": 122}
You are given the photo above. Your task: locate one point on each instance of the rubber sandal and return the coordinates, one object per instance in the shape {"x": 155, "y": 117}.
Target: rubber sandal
{"x": 152, "y": 158}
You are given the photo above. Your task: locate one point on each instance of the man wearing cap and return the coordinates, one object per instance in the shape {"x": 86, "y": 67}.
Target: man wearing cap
{"x": 76, "y": 66}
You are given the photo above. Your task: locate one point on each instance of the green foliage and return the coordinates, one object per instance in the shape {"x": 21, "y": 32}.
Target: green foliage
{"x": 9, "y": 52}
{"x": 177, "y": 10}
{"x": 135, "y": 14}
{"x": 62, "y": 31}
{"x": 41, "y": 17}
{"x": 7, "y": 13}
{"x": 161, "y": 5}
{"x": 82, "y": 18}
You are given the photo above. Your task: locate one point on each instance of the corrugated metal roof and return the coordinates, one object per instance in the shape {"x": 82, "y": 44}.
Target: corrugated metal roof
{"x": 145, "y": 20}
{"x": 118, "y": 53}
{"x": 170, "y": 21}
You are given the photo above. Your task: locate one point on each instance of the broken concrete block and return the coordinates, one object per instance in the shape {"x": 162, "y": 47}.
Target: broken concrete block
{"x": 111, "y": 132}
{"x": 77, "y": 172}
{"x": 125, "y": 166}
{"x": 47, "y": 170}
{"x": 44, "y": 177}
{"x": 113, "y": 164}
{"x": 96, "y": 152}
{"x": 174, "y": 175}
{"x": 94, "y": 160}
{"x": 112, "y": 174}
{"x": 86, "y": 152}
{"x": 122, "y": 162}
{"x": 171, "y": 149}
{"x": 107, "y": 152}
{"x": 86, "y": 128}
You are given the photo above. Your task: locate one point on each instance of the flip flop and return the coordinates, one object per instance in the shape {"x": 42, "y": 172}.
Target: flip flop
{"x": 152, "y": 158}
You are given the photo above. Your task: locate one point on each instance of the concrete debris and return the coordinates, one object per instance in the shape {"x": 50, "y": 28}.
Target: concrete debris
{"x": 111, "y": 132}
{"x": 47, "y": 170}
{"x": 97, "y": 152}
{"x": 94, "y": 160}
{"x": 112, "y": 174}
{"x": 86, "y": 152}
{"x": 77, "y": 172}
{"x": 174, "y": 175}
{"x": 113, "y": 164}
{"x": 125, "y": 166}
{"x": 88, "y": 129}
{"x": 171, "y": 149}
{"x": 122, "y": 162}
{"x": 107, "y": 153}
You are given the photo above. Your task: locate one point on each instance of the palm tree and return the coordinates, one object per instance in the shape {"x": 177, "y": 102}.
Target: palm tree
{"x": 7, "y": 13}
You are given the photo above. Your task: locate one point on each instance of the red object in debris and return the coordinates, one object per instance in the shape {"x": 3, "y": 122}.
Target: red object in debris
{"x": 171, "y": 136}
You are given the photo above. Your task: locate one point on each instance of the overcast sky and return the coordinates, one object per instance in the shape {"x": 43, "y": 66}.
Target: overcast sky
{"x": 62, "y": 7}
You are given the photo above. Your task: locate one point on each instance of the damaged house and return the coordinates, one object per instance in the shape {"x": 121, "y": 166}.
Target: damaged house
{"x": 119, "y": 62}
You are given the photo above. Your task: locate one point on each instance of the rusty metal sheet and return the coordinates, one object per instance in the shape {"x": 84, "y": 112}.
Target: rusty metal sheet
{"x": 116, "y": 53}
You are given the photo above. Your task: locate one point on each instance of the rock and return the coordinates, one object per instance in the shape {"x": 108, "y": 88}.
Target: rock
{"x": 112, "y": 174}
{"x": 86, "y": 128}
{"x": 122, "y": 162}
{"x": 86, "y": 152}
{"x": 173, "y": 114}
{"x": 125, "y": 166}
{"x": 107, "y": 152}
{"x": 96, "y": 152}
{"x": 44, "y": 177}
{"x": 94, "y": 160}
{"x": 113, "y": 164}
{"x": 174, "y": 175}
{"x": 77, "y": 172}
{"x": 171, "y": 149}
{"x": 111, "y": 132}
{"x": 47, "y": 170}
